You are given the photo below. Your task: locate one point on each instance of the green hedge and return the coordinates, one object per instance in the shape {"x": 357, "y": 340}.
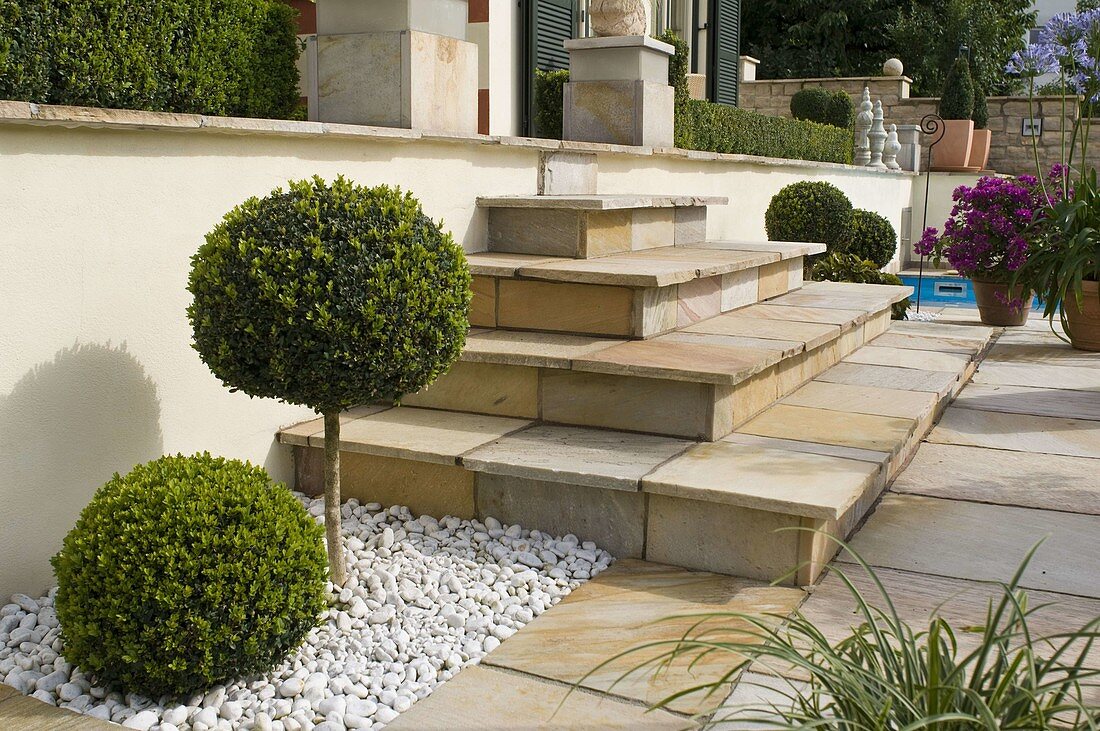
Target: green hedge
{"x": 224, "y": 57}
{"x": 549, "y": 89}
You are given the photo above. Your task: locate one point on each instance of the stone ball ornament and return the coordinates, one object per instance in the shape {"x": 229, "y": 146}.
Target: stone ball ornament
{"x": 618, "y": 17}
{"x": 893, "y": 67}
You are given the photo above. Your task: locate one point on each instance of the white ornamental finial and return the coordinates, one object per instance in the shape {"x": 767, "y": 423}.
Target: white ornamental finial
{"x": 878, "y": 139}
{"x": 892, "y": 148}
{"x": 863, "y": 127}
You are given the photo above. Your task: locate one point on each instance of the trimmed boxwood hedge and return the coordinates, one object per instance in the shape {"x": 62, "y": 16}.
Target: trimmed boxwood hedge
{"x": 813, "y": 211}
{"x": 223, "y": 57}
{"x": 873, "y": 238}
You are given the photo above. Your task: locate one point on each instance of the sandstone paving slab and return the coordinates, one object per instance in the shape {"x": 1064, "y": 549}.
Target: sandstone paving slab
{"x": 424, "y": 434}
{"x": 924, "y": 360}
{"x": 788, "y": 348}
{"x": 864, "y": 400}
{"x": 1043, "y": 481}
{"x": 1029, "y": 400}
{"x": 695, "y": 362}
{"x": 796, "y": 483}
{"x": 534, "y": 349}
{"x": 769, "y": 311}
{"x": 23, "y": 713}
{"x": 829, "y": 450}
{"x": 308, "y": 432}
{"x": 483, "y": 698}
{"x": 1045, "y": 350}
{"x": 1038, "y": 375}
{"x": 964, "y": 540}
{"x": 786, "y": 249}
{"x": 748, "y": 707}
{"x": 622, "y": 270}
{"x": 600, "y": 202}
{"x": 958, "y": 346}
{"x": 590, "y": 457}
{"x": 499, "y": 264}
{"x": 734, "y": 323}
{"x": 621, "y": 609}
{"x": 920, "y": 597}
{"x": 1018, "y": 432}
{"x": 975, "y": 333}
{"x": 909, "y": 379}
{"x": 844, "y": 429}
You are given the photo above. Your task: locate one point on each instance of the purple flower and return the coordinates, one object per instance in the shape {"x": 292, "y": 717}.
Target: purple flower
{"x": 1035, "y": 60}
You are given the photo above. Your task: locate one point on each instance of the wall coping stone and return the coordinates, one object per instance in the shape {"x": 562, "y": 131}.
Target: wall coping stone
{"x": 829, "y": 78}
{"x": 29, "y": 113}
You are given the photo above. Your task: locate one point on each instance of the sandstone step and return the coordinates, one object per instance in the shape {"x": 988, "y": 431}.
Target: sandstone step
{"x": 591, "y": 226}
{"x": 636, "y": 294}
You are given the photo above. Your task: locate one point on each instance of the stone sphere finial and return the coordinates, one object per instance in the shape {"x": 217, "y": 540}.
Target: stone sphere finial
{"x": 893, "y": 67}
{"x": 618, "y": 17}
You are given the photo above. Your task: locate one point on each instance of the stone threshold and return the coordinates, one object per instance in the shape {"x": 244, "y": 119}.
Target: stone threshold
{"x": 29, "y": 113}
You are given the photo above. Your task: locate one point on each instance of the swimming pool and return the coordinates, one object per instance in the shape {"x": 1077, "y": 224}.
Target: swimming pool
{"x": 943, "y": 289}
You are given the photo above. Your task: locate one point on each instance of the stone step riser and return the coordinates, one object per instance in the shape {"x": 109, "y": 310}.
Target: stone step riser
{"x": 627, "y": 312}
{"x": 692, "y": 410}
{"x": 590, "y": 234}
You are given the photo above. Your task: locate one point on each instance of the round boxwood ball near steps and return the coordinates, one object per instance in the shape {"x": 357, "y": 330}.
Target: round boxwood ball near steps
{"x": 187, "y": 572}
{"x": 810, "y": 211}
{"x": 873, "y": 238}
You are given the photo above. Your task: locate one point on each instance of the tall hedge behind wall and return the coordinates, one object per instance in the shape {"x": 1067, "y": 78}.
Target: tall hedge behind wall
{"x": 223, "y": 57}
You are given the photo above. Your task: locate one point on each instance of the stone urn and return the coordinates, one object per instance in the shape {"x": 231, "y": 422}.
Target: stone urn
{"x": 618, "y": 17}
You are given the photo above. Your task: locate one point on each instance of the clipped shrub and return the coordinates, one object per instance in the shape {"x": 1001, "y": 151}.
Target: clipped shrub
{"x": 549, "y": 90}
{"x": 817, "y": 104}
{"x": 224, "y": 57}
{"x": 329, "y": 296}
{"x": 187, "y": 572}
{"x": 810, "y": 211}
{"x": 873, "y": 238}
{"x": 678, "y": 65}
{"x": 957, "y": 101}
{"x": 980, "y": 115}
{"x": 843, "y": 267}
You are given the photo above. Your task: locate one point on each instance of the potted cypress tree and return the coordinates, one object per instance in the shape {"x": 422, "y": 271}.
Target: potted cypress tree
{"x": 952, "y": 154}
{"x": 979, "y": 146}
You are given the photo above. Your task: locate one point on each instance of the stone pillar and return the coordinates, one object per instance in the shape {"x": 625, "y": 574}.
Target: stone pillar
{"x": 618, "y": 91}
{"x": 909, "y": 158}
{"x": 396, "y": 63}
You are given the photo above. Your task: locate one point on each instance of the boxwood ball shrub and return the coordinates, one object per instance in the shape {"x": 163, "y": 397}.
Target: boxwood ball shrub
{"x": 329, "y": 296}
{"x": 873, "y": 238}
{"x": 187, "y": 572}
{"x": 811, "y": 211}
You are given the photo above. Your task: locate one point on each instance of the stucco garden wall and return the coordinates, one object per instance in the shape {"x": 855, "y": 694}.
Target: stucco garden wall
{"x": 101, "y": 212}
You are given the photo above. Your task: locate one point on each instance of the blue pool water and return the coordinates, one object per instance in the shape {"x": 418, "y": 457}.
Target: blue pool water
{"x": 939, "y": 289}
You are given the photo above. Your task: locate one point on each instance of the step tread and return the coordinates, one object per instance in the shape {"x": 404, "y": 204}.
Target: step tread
{"x": 669, "y": 358}
{"x": 602, "y": 202}
{"x": 659, "y": 267}
{"x": 786, "y": 249}
{"x": 811, "y": 334}
{"x": 536, "y": 349}
{"x": 845, "y": 295}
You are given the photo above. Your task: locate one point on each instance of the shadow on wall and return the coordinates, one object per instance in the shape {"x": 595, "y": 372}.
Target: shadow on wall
{"x": 65, "y": 428}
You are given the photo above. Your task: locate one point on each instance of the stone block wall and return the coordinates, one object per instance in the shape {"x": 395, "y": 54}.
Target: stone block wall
{"x": 773, "y": 97}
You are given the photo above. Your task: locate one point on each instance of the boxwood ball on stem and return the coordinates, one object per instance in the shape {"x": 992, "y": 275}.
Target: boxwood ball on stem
{"x": 329, "y": 296}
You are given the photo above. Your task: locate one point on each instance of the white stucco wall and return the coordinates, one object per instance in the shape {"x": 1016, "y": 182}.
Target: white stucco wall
{"x": 99, "y": 224}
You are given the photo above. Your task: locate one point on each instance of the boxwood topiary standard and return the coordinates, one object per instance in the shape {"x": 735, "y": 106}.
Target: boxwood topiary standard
{"x": 810, "y": 211}
{"x": 187, "y": 572}
{"x": 957, "y": 101}
{"x": 873, "y": 238}
{"x": 329, "y": 296}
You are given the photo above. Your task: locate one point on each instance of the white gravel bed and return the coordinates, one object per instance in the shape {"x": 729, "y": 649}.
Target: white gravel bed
{"x": 424, "y": 599}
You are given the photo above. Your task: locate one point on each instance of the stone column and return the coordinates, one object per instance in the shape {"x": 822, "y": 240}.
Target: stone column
{"x": 618, "y": 91}
{"x": 396, "y": 63}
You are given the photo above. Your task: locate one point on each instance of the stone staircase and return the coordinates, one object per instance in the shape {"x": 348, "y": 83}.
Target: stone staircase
{"x": 666, "y": 396}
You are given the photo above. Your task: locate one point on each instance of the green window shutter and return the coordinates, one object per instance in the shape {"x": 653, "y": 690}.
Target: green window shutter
{"x": 725, "y": 51}
{"x": 549, "y": 24}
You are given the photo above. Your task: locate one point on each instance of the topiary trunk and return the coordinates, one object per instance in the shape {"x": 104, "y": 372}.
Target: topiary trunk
{"x": 337, "y": 571}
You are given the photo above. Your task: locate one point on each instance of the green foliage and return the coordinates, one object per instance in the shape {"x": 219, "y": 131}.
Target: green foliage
{"x": 887, "y": 674}
{"x": 844, "y": 267}
{"x": 957, "y": 101}
{"x": 678, "y": 66}
{"x": 187, "y": 572}
{"x": 225, "y": 57}
{"x": 930, "y": 33}
{"x": 817, "y": 104}
{"x": 810, "y": 211}
{"x": 549, "y": 89}
{"x": 873, "y": 238}
{"x": 719, "y": 128}
{"x": 329, "y": 296}
{"x": 810, "y": 39}
{"x": 980, "y": 115}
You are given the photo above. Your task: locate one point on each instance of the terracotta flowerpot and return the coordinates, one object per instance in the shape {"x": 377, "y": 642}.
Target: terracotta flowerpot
{"x": 979, "y": 149}
{"x": 992, "y": 298}
{"x": 618, "y": 17}
{"x": 1084, "y": 322}
{"x": 952, "y": 153}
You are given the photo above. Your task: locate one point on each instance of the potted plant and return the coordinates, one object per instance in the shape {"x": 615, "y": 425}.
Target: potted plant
{"x": 987, "y": 240}
{"x": 1064, "y": 265}
{"x": 982, "y": 137}
{"x": 952, "y": 153}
